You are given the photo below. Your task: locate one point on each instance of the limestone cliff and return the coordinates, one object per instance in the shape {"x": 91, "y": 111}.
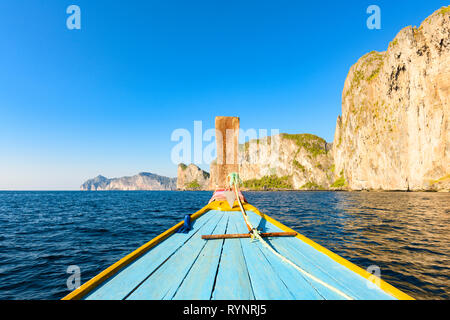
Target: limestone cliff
{"x": 394, "y": 130}
{"x": 285, "y": 161}
{"x": 141, "y": 181}
{"x": 192, "y": 177}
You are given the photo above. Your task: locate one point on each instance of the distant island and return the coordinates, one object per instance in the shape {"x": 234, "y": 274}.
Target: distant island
{"x": 141, "y": 181}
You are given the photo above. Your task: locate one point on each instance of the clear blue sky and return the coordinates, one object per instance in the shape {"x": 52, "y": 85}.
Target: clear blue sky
{"x": 105, "y": 99}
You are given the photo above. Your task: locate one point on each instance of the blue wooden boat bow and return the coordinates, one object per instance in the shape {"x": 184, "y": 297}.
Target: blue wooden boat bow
{"x": 185, "y": 266}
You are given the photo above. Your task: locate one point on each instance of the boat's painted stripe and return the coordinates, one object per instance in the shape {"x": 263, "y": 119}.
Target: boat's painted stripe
{"x": 386, "y": 287}
{"x": 90, "y": 285}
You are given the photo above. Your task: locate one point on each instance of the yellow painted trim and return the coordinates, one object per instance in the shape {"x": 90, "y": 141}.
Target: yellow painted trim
{"x": 90, "y": 285}
{"x": 386, "y": 287}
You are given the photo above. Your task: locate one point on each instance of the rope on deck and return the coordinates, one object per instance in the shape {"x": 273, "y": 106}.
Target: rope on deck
{"x": 256, "y": 234}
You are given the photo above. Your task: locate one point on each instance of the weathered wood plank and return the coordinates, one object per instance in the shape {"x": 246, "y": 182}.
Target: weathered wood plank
{"x": 164, "y": 282}
{"x": 299, "y": 286}
{"x": 324, "y": 292}
{"x": 119, "y": 286}
{"x": 266, "y": 283}
{"x": 247, "y": 235}
{"x": 199, "y": 282}
{"x": 233, "y": 280}
{"x": 328, "y": 271}
{"x": 227, "y": 142}
{"x": 304, "y": 263}
{"x": 322, "y": 267}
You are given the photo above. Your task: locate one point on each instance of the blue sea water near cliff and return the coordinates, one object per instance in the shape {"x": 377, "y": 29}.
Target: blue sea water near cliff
{"x": 42, "y": 233}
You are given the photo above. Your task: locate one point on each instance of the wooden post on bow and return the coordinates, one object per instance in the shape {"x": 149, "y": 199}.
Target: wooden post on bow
{"x": 227, "y": 141}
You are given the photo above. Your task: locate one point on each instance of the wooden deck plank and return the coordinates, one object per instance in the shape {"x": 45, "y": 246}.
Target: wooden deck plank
{"x": 315, "y": 270}
{"x": 119, "y": 286}
{"x": 345, "y": 280}
{"x": 233, "y": 280}
{"x": 300, "y": 287}
{"x": 266, "y": 283}
{"x": 164, "y": 282}
{"x": 322, "y": 266}
{"x": 199, "y": 282}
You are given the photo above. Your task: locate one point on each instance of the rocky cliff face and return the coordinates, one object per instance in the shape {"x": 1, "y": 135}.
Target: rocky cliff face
{"x": 141, "y": 181}
{"x": 394, "y": 130}
{"x": 286, "y": 161}
{"x": 292, "y": 161}
{"x": 192, "y": 177}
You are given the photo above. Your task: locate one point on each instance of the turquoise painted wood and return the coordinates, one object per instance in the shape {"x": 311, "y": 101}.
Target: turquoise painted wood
{"x": 163, "y": 284}
{"x": 198, "y": 284}
{"x": 277, "y": 275}
{"x": 232, "y": 259}
{"x": 119, "y": 286}
{"x": 265, "y": 281}
{"x": 184, "y": 266}
{"x": 321, "y": 266}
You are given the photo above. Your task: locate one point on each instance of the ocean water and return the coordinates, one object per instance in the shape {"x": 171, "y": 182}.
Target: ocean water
{"x": 407, "y": 235}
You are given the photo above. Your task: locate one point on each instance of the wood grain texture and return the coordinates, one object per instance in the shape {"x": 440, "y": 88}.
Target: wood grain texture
{"x": 233, "y": 281}
{"x": 266, "y": 283}
{"x": 322, "y": 267}
{"x": 164, "y": 282}
{"x": 227, "y": 142}
{"x": 119, "y": 286}
{"x": 199, "y": 282}
{"x": 248, "y": 235}
{"x": 102, "y": 277}
{"x": 383, "y": 285}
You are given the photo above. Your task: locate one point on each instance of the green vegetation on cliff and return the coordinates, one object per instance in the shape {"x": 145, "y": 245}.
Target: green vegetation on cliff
{"x": 193, "y": 185}
{"x": 444, "y": 178}
{"x": 311, "y": 143}
{"x": 246, "y": 146}
{"x": 370, "y": 60}
{"x": 340, "y": 182}
{"x": 298, "y": 165}
{"x": 374, "y": 59}
{"x": 444, "y": 10}
{"x": 268, "y": 182}
{"x": 311, "y": 185}
{"x": 375, "y": 72}
{"x": 393, "y": 43}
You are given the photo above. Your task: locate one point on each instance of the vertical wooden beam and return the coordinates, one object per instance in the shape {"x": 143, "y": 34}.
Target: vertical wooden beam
{"x": 227, "y": 141}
